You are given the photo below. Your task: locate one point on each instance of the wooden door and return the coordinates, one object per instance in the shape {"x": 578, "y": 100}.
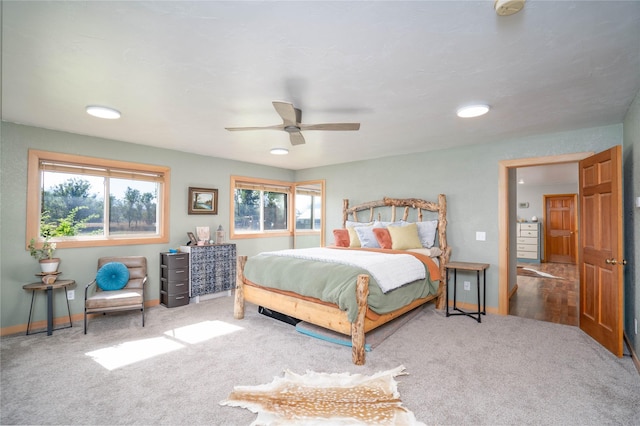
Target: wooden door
{"x": 560, "y": 224}
{"x": 601, "y": 255}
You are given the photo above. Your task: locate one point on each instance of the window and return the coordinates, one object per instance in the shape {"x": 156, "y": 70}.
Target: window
{"x": 308, "y": 207}
{"x": 84, "y": 201}
{"x": 260, "y": 207}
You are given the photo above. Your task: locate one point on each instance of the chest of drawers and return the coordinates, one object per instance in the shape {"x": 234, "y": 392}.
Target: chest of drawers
{"x": 174, "y": 279}
{"x": 528, "y": 242}
{"x": 212, "y": 270}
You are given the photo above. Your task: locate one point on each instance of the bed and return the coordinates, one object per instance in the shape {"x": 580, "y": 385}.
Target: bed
{"x": 360, "y": 290}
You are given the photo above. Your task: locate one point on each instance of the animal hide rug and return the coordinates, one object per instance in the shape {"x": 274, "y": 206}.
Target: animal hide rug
{"x": 325, "y": 398}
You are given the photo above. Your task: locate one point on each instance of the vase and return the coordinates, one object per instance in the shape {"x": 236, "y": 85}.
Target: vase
{"x": 49, "y": 265}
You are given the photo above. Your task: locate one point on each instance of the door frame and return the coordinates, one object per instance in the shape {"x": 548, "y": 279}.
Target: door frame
{"x": 504, "y": 248}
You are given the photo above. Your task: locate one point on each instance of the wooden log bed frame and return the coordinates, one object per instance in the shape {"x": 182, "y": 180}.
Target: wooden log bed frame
{"x": 330, "y": 316}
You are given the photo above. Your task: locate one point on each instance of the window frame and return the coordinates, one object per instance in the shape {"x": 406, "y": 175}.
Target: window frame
{"x": 235, "y": 180}
{"x": 35, "y": 157}
{"x": 300, "y": 188}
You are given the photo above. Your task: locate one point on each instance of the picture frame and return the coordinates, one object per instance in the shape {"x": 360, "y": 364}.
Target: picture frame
{"x": 203, "y": 201}
{"x": 192, "y": 238}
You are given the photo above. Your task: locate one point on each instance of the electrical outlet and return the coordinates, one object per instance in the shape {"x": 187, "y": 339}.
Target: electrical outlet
{"x": 467, "y": 285}
{"x": 71, "y": 294}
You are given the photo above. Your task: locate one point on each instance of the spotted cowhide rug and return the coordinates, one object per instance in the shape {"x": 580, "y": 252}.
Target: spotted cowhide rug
{"x": 325, "y": 398}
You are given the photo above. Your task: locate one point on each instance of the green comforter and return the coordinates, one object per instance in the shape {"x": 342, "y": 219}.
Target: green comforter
{"x": 331, "y": 282}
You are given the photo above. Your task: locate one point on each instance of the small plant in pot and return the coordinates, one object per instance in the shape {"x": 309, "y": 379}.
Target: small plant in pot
{"x": 44, "y": 255}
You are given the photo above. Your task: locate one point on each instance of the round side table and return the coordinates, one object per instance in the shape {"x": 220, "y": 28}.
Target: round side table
{"x": 49, "y": 289}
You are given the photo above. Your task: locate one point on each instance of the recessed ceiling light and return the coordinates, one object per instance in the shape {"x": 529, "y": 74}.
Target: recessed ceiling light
{"x": 103, "y": 112}
{"x": 473, "y": 111}
{"x": 279, "y": 151}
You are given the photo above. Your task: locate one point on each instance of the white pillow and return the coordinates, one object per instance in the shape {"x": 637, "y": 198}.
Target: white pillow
{"x": 352, "y": 224}
{"x": 431, "y": 252}
{"x": 367, "y": 237}
{"x": 427, "y": 232}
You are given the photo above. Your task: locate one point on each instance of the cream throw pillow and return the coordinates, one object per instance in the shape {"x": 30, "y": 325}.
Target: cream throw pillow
{"x": 354, "y": 240}
{"x": 404, "y": 237}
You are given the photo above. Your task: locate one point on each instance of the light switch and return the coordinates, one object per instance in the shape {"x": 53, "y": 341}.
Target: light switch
{"x": 481, "y": 236}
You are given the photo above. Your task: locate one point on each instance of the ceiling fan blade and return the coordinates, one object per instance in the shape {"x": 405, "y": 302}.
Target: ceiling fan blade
{"x": 291, "y": 116}
{"x": 331, "y": 126}
{"x": 296, "y": 138}
{"x": 274, "y": 127}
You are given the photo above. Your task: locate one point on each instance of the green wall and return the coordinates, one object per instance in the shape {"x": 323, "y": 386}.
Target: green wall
{"x": 631, "y": 156}
{"x": 17, "y": 267}
{"x": 468, "y": 176}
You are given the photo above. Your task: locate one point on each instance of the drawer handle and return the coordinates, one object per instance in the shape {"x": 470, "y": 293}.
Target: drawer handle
{"x": 179, "y": 272}
{"x": 179, "y": 297}
{"x": 179, "y": 285}
{"x": 180, "y": 258}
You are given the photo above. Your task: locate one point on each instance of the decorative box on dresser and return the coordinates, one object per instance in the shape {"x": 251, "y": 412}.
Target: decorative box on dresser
{"x": 174, "y": 279}
{"x": 528, "y": 242}
{"x": 212, "y": 270}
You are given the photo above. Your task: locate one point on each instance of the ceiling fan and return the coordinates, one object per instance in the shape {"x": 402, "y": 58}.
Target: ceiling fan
{"x": 292, "y": 123}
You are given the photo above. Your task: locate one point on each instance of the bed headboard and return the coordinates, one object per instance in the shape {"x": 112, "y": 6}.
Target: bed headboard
{"x": 382, "y": 207}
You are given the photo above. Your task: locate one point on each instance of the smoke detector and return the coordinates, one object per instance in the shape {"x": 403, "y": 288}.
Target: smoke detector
{"x": 508, "y": 7}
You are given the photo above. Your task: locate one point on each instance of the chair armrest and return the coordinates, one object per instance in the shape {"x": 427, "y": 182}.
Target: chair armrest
{"x": 86, "y": 288}
{"x": 144, "y": 282}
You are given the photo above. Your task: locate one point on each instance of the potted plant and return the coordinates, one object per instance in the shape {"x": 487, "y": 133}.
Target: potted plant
{"x": 44, "y": 255}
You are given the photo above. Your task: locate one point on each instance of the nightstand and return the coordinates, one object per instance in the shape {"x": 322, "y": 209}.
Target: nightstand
{"x": 467, "y": 266}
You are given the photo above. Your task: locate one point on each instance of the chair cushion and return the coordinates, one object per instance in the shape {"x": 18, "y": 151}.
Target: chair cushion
{"x": 115, "y": 300}
{"x": 112, "y": 276}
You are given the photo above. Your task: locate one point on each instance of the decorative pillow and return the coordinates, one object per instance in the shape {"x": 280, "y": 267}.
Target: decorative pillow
{"x": 342, "y": 237}
{"x": 431, "y": 252}
{"x": 427, "y": 232}
{"x": 404, "y": 237}
{"x": 367, "y": 237}
{"x": 112, "y": 276}
{"x": 354, "y": 240}
{"x": 383, "y": 237}
{"x": 352, "y": 224}
{"x": 396, "y": 223}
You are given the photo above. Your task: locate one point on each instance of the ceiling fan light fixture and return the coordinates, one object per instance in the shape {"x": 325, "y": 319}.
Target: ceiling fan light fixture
{"x": 279, "y": 151}
{"x": 103, "y": 112}
{"x": 472, "y": 111}
{"x": 508, "y": 7}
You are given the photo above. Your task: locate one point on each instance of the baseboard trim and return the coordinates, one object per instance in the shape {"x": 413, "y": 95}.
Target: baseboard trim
{"x": 42, "y": 324}
{"x": 634, "y": 356}
{"x": 473, "y": 307}
{"x": 513, "y": 291}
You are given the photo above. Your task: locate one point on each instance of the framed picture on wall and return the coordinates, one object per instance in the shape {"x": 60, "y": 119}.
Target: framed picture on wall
{"x": 203, "y": 201}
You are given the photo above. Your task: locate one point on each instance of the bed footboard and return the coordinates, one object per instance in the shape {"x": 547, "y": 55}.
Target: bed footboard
{"x": 306, "y": 310}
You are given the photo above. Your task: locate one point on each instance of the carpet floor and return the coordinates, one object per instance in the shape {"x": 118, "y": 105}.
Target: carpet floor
{"x": 176, "y": 370}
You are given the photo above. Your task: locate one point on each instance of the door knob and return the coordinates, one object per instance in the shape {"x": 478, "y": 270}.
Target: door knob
{"x": 611, "y": 262}
{"x": 624, "y": 261}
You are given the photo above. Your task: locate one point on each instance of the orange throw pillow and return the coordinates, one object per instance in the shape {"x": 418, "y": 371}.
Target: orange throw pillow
{"x": 383, "y": 236}
{"x": 342, "y": 237}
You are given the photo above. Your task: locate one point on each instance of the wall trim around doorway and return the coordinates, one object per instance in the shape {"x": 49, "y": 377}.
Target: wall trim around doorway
{"x": 503, "y": 214}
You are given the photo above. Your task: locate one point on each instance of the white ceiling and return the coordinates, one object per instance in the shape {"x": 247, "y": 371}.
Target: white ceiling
{"x": 553, "y": 174}
{"x": 181, "y": 71}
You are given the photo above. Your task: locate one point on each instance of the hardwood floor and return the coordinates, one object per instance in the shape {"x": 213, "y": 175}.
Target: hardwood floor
{"x": 547, "y": 299}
